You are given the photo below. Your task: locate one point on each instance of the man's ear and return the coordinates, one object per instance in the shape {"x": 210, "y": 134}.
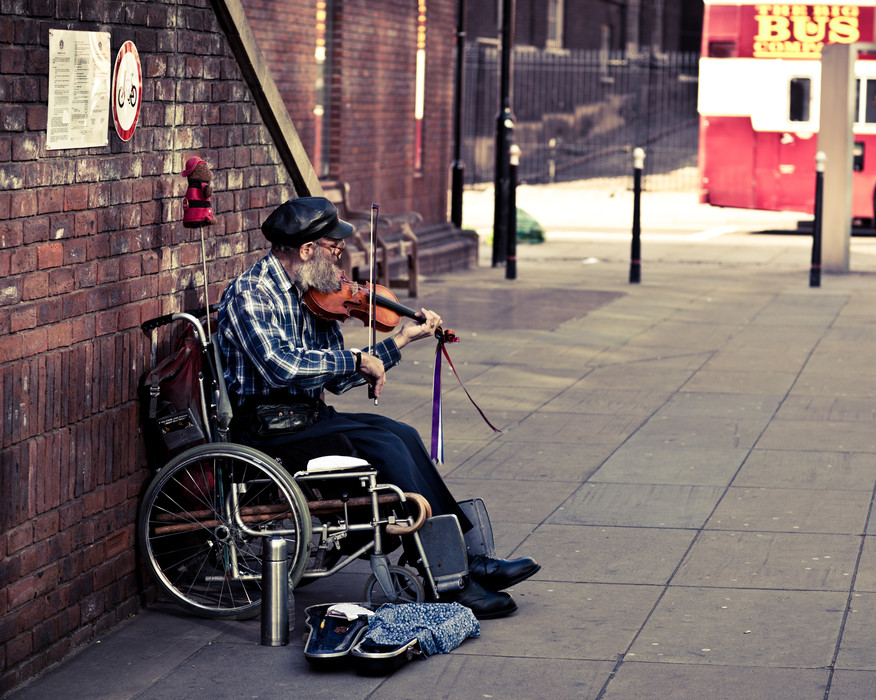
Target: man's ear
{"x": 305, "y": 252}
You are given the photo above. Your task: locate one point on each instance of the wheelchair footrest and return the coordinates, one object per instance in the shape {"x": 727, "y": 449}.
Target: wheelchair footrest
{"x": 444, "y": 546}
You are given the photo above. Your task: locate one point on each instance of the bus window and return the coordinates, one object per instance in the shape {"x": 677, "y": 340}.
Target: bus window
{"x": 857, "y": 111}
{"x": 870, "y": 109}
{"x": 722, "y": 49}
{"x": 799, "y": 102}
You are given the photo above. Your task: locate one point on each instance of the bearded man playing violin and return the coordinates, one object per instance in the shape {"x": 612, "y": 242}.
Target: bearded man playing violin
{"x": 278, "y": 352}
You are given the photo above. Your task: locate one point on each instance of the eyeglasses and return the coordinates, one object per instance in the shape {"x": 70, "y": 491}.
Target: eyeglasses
{"x": 332, "y": 243}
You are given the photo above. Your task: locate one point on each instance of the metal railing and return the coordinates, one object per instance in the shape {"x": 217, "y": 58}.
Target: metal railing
{"x": 580, "y": 114}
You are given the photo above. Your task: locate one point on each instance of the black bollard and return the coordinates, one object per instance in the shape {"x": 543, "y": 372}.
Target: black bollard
{"x": 636, "y": 250}
{"x": 275, "y": 593}
{"x": 511, "y": 249}
{"x": 815, "y": 268}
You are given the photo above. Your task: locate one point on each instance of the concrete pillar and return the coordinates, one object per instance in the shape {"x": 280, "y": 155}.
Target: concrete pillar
{"x": 835, "y": 139}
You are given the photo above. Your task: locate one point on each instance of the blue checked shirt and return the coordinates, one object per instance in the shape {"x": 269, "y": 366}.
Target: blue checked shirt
{"x": 270, "y": 341}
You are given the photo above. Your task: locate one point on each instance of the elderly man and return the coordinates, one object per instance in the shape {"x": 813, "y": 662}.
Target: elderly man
{"x": 278, "y": 353}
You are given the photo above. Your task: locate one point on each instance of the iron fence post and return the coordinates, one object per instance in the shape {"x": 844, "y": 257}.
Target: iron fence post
{"x": 458, "y": 167}
{"x": 504, "y": 129}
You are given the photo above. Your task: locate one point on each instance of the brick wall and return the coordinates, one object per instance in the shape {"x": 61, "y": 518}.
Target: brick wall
{"x": 371, "y": 120}
{"x": 91, "y": 244}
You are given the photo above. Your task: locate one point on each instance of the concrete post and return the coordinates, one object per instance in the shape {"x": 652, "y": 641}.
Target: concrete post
{"x": 835, "y": 140}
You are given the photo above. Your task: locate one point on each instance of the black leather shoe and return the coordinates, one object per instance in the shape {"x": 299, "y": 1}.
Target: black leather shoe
{"x": 497, "y": 574}
{"x": 485, "y": 605}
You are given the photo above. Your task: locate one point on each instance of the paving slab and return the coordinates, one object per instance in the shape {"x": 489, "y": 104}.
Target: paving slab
{"x": 842, "y": 436}
{"x": 859, "y": 634}
{"x": 471, "y": 676}
{"x": 775, "y": 560}
{"x": 852, "y": 685}
{"x": 770, "y": 383}
{"x": 827, "y": 408}
{"x": 673, "y": 681}
{"x": 532, "y": 460}
{"x": 580, "y": 398}
{"x": 649, "y": 375}
{"x": 513, "y": 500}
{"x": 808, "y": 469}
{"x": 671, "y": 464}
{"x": 714, "y": 626}
{"x": 577, "y": 429}
{"x": 791, "y": 510}
{"x": 639, "y": 505}
{"x": 690, "y": 404}
{"x": 865, "y": 579}
{"x": 667, "y": 428}
{"x": 139, "y": 661}
{"x": 597, "y": 554}
{"x": 558, "y": 620}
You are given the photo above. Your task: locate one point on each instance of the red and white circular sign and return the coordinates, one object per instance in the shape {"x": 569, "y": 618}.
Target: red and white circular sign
{"x": 127, "y": 90}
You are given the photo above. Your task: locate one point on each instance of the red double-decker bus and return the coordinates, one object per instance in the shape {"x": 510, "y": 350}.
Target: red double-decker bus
{"x": 759, "y": 87}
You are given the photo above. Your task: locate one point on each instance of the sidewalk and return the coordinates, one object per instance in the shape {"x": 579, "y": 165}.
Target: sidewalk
{"x": 689, "y": 458}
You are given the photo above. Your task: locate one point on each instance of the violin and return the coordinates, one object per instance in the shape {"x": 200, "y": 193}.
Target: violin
{"x": 351, "y": 300}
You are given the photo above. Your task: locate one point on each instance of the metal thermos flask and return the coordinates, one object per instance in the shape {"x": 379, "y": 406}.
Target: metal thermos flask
{"x": 275, "y": 594}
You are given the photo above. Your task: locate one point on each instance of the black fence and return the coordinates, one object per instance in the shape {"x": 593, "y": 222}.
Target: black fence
{"x": 580, "y": 114}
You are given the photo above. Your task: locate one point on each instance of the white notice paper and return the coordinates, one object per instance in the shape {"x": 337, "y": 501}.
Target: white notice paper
{"x": 79, "y": 89}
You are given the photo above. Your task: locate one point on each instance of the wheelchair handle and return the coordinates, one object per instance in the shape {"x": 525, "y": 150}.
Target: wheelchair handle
{"x": 158, "y": 321}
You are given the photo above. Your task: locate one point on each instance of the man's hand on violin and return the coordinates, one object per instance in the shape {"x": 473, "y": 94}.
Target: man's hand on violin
{"x": 416, "y": 330}
{"x": 372, "y": 369}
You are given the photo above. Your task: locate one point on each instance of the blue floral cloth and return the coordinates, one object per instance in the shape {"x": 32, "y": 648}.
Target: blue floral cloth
{"x": 439, "y": 627}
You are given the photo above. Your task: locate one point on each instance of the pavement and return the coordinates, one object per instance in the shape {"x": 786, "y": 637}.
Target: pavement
{"x": 690, "y": 458}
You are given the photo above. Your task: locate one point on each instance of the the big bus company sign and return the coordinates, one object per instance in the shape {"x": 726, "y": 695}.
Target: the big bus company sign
{"x": 800, "y": 31}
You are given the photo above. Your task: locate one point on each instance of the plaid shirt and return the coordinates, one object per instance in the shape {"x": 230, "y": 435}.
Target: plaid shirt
{"x": 271, "y": 341}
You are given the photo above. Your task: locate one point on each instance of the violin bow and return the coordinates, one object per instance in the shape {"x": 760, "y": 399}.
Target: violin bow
{"x": 375, "y": 212}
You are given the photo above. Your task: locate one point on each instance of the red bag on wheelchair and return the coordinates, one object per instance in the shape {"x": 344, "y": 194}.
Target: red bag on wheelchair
{"x": 170, "y": 397}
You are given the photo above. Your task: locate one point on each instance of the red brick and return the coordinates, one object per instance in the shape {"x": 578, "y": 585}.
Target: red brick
{"x": 23, "y": 204}
{"x": 35, "y": 286}
{"x": 21, "y": 345}
{"x": 50, "y": 255}
{"x": 19, "y": 537}
{"x": 75, "y": 197}
{"x": 36, "y": 229}
{"x": 51, "y": 199}
{"x": 23, "y": 318}
{"x": 21, "y": 591}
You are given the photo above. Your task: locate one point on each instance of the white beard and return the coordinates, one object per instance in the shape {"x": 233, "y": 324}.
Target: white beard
{"x": 319, "y": 273}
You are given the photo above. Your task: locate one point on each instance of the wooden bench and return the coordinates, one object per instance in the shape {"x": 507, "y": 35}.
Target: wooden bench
{"x": 396, "y": 249}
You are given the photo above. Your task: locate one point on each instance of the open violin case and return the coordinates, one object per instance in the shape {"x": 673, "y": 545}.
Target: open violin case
{"x": 379, "y": 641}
{"x": 333, "y": 630}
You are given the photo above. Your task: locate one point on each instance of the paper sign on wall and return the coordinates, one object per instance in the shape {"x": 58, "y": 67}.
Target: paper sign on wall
{"x": 79, "y": 89}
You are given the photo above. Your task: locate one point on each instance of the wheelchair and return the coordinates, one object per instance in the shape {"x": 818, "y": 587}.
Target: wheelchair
{"x": 206, "y": 515}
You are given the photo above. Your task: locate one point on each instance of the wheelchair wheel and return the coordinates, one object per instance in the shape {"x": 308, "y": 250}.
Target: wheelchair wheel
{"x": 203, "y": 523}
{"x": 407, "y": 588}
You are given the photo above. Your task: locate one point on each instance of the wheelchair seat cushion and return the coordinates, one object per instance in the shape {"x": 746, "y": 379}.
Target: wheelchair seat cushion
{"x": 330, "y": 463}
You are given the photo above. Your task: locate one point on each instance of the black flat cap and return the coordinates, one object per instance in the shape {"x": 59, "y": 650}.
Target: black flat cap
{"x": 303, "y": 220}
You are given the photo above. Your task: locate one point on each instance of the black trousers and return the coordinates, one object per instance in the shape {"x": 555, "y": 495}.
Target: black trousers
{"x": 395, "y": 449}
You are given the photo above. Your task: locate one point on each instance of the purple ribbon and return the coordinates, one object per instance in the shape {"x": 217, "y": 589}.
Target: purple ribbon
{"x": 437, "y": 452}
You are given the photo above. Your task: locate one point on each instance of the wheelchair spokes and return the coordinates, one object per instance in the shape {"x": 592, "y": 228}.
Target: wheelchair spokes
{"x": 203, "y": 537}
